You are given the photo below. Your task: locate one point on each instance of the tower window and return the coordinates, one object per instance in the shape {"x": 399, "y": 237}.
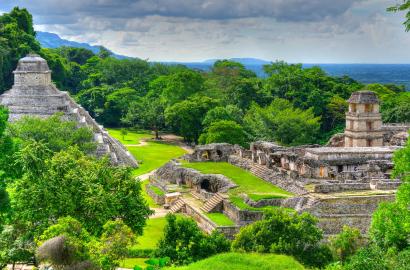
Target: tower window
{"x": 368, "y": 143}
{"x": 369, "y": 125}
{"x": 353, "y": 107}
{"x": 368, "y": 108}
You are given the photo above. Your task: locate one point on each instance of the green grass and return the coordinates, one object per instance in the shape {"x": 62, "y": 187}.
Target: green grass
{"x": 131, "y": 262}
{"x": 152, "y": 233}
{"x": 148, "y": 198}
{"x": 154, "y": 155}
{"x": 258, "y": 197}
{"x": 157, "y": 190}
{"x": 131, "y": 138}
{"x": 247, "y": 183}
{"x": 244, "y": 261}
{"x": 150, "y": 156}
{"x": 238, "y": 202}
{"x": 220, "y": 219}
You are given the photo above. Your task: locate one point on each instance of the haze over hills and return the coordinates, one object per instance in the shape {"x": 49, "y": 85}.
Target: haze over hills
{"x": 51, "y": 40}
{"x": 365, "y": 73}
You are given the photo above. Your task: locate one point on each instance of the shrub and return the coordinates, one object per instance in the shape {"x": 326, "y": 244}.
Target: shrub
{"x": 183, "y": 242}
{"x": 285, "y": 232}
{"x": 346, "y": 243}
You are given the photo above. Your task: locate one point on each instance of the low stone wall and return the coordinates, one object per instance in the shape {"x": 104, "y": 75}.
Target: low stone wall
{"x": 240, "y": 217}
{"x": 208, "y": 225}
{"x": 387, "y": 185}
{"x": 327, "y": 188}
{"x": 263, "y": 202}
{"x": 159, "y": 199}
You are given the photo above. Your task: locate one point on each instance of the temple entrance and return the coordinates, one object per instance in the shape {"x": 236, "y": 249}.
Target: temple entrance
{"x": 206, "y": 185}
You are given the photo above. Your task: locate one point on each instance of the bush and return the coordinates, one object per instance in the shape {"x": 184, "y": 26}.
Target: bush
{"x": 285, "y": 232}
{"x": 346, "y": 243}
{"x": 183, "y": 242}
{"x": 368, "y": 258}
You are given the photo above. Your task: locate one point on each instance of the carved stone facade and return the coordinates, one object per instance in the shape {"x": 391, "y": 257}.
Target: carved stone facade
{"x": 33, "y": 94}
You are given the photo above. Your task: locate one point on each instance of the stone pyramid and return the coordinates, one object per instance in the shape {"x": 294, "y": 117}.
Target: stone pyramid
{"x": 33, "y": 93}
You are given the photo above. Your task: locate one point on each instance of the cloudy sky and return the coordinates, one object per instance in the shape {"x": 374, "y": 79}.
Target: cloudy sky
{"x": 308, "y": 31}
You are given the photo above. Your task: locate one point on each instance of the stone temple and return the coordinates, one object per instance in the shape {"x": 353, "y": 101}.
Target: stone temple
{"x": 34, "y": 94}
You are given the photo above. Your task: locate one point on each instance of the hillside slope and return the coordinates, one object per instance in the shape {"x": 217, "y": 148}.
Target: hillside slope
{"x": 51, "y": 40}
{"x": 244, "y": 261}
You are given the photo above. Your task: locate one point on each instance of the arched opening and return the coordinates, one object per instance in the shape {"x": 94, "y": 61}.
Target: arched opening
{"x": 206, "y": 155}
{"x": 206, "y": 185}
{"x": 219, "y": 153}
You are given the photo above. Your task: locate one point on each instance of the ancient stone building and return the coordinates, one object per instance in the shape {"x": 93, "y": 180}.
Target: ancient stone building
{"x": 341, "y": 184}
{"x": 34, "y": 94}
{"x": 363, "y": 121}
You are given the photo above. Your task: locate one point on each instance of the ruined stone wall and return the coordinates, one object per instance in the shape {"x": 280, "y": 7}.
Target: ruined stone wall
{"x": 355, "y": 211}
{"x": 173, "y": 173}
{"x": 159, "y": 199}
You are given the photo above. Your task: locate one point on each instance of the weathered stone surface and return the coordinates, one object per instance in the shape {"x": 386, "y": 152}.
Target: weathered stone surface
{"x": 212, "y": 152}
{"x": 173, "y": 173}
{"x": 33, "y": 94}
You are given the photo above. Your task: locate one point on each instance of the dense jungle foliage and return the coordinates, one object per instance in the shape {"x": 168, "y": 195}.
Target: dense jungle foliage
{"x": 291, "y": 105}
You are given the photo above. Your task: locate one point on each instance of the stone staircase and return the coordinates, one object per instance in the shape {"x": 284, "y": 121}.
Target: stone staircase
{"x": 197, "y": 196}
{"x": 258, "y": 170}
{"x": 212, "y": 203}
{"x": 305, "y": 203}
{"x": 177, "y": 206}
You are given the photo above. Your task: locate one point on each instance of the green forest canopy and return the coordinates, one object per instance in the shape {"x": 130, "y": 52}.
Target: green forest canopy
{"x": 291, "y": 106}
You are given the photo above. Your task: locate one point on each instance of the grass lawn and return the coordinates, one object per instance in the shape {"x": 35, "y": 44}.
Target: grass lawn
{"x": 152, "y": 233}
{"x": 244, "y": 261}
{"x": 150, "y": 156}
{"x": 220, "y": 219}
{"x": 131, "y": 138}
{"x": 131, "y": 262}
{"x": 247, "y": 182}
{"x": 154, "y": 155}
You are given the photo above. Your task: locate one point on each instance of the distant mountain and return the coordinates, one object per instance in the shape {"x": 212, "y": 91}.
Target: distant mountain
{"x": 243, "y": 61}
{"x": 51, "y": 40}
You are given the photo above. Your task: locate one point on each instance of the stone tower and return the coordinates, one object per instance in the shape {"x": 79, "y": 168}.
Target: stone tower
{"x": 34, "y": 94}
{"x": 363, "y": 121}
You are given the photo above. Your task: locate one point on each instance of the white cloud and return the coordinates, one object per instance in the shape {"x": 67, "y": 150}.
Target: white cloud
{"x": 340, "y": 31}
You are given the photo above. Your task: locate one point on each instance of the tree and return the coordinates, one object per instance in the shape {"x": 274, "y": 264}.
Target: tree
{"x": 224, "y": 132}
{"x": 146, "y": 113}
{"x": 116, "y": 105}
{"x": 390, "y": 224}
{"x": 124, "y": 132}
{"x": 181, "y": 85}
{"x": 70, "y": 183}
{"x": 183, "y": 242}
{"x": 13, "y": 247}
{"x": 405, "y": 6}
{"x": 285, "y": 232}
{"x": 65, "y": 244}
{"x": 115, "y": 241}
{"x": 185, "y": 117}
{"x": 17, "y": 40}
{"x": 55, "y": 131}
{"x": 346, "y": 243}
{"x": 283, "y": 123}
{"x": 228, "y": 113}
